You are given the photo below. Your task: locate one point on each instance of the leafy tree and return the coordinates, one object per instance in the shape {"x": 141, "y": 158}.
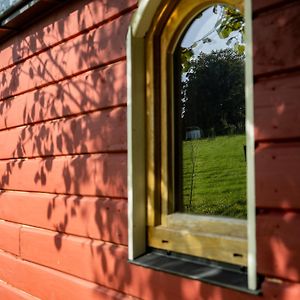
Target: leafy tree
{"x": 230, "y": 25}
{"x": 213, "y": 93}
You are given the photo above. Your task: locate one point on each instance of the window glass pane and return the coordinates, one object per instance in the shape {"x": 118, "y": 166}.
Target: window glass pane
{"x": 209, "y": 65}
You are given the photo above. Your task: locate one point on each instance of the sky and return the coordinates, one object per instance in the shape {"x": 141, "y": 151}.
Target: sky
{"x": 199, "y": 29}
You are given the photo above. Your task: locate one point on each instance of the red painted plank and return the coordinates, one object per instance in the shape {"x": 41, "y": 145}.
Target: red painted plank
{"x": 63, "y": 24}
{"x": 89, "y": 50}
{"x": 48, "y": 284}
{"x": 278, "y": 245}
{"x": 107, "y": 265}
{"x": 277, "y": 108}
{"x": 88, "y": 259}
{"x": 258, "y": 4}
{"x": 102, "y": 131}
{"x": 277, "y": 175}
{"x": 277, "y": 290}
{"x": 91, "y": 174}
{"x": 97, "y": 218}
{"x": 277, "y": 40}
{"x": 10, "y": 237}
{"x": 92, "y": 90}
{"x": 8, "y": 292}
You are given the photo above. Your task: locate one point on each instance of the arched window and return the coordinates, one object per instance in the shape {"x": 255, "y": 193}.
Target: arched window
{"x": 188, "y": 148}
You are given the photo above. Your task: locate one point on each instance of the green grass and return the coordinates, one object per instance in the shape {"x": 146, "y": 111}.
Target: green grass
{"x": 219, "y": 185}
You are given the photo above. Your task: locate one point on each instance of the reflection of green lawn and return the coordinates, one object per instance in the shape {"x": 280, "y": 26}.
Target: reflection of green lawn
{"x": 219, "y": 186}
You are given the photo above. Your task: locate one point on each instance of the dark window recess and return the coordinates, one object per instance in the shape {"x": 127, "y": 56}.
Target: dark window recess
{"x": 221, "y": 274}
{"x": 16, "y": 15}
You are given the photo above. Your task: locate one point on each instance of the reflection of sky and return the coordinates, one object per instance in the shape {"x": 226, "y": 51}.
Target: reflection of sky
{"x": 205, "y": 27}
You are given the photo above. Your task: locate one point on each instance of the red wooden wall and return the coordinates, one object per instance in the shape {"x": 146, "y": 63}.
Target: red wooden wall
{"x": 63, "y": 206}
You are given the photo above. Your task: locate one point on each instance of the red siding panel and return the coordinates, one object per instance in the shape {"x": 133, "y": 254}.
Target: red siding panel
{"x": 95, "y": 261}
{"x": 97, "y": 174}
{"x": 74, "y": 18}
{"x": 100, "y": 46}
{"x": 107, "y": 265}
{"x": 48, "y": 284}
{"x": 102, "y": 131}
{"x": 259, "y": 4}
{"x": 8, "y": 292}
{"x": 278, "y": 245}
{"x": 277, "y": 40}
{"x": 277, "y": 175}
{"x": 281, "y": 290}
{"x": 98, "y": 218}
{"x": 10, "y": 237}
{"x": 96, "y": 89}
{"x": 277, "y": 108}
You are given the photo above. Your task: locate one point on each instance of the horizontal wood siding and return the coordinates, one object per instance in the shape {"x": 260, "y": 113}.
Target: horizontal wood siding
{"x": 63, "y": 173}
{"x": 277, "y": 132}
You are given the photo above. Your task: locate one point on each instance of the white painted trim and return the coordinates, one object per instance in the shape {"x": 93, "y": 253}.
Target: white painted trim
{"x": 136, "y": 133}
{"x": 129, "y": 147}
{"x": 143, "y": 17}
{"x": 251, "y": 211}
{"x": 137, "y": 206}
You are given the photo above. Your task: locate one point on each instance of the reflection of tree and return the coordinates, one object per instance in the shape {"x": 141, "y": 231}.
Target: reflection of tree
{"x": 230, "y": 25}
{"x": 213, "y": 93}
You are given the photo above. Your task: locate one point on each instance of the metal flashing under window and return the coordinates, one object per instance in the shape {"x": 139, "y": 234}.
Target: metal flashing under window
{"x": 15, "y": 15}
{"x": 221, "y": 274}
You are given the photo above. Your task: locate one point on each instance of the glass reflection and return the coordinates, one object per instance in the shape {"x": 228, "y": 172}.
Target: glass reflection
{"x": 210, "y": 107}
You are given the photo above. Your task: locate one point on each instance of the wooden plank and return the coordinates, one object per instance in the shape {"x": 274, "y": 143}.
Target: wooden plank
{"x": 277, "y": 175}
{"x": 88, "y": 259}
{"x": 278, "y": 247}
{"x": 277, "y": 108}
{"x": 208, "y": 224}
{"x": 96, "y": 89}
{"x": 97, "y": 218}
{"x": 211, "y": 246}
{"x": 8, "y": 292}
{"x": 101, "y": 131}
{"x": 280, "y": 290}
{"x": 46, "y": 283}
{"x": 277, "y": 46}
{"x": 258, "y": 4}
{"x": 10, "y": 237}
{"x": 64, "y": 24}
{"x": 142, "y": 282}
{"x": 90, "y": 174}
{"x": 88, "y": 50}
{"x": 108, "y": 265}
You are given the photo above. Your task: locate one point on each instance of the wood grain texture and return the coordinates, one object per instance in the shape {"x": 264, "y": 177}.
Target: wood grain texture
{"x": 276, "y": 39}
{"x": 10, "y": 237}
{"x": 278, "y": 245}
{"x": 96, "y": 89}
{"x": 8, "y": 292}
{"x": 211, "y": 246}
{"x": 89, "y": 50}
{"x": 277, "y": 175}
{"x": 277, "y": 108}
{"x": 97, "y": 218}
{"x": 103, "y": 131}
{"x": 65, "y": 23}
{"x": 51, "y": 285}
{"x": 90, "y": 174}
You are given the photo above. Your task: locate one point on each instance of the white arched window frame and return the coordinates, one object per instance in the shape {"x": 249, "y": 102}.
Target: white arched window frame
{"x": 137, "y": 168}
